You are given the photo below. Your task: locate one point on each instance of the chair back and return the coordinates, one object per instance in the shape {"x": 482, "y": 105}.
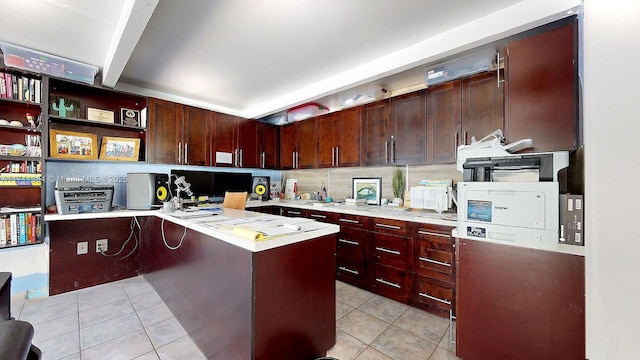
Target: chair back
{"x": 235, "y": 200}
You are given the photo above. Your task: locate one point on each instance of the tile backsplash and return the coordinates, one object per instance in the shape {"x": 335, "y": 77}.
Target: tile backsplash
{"x": 338, "y": 181}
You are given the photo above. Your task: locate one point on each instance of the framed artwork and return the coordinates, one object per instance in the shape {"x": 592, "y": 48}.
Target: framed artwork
{"x": 64, "y": 106}
{"x": 120, "y": 149}
{"x": 369, "y": 189}
{"x": 73, "y": 145}
{"x": 99, "y": 115}
{"x": 130, "y": 117}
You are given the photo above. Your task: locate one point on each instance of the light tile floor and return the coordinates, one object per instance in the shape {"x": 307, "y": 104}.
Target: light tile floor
{"x": 128, "y": 320}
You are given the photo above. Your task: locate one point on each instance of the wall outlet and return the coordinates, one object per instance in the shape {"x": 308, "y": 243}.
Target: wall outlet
{"x": 102, "y": 245}
{"x": 83, "y": 247}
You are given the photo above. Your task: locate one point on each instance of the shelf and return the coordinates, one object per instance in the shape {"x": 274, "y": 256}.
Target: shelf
{"x": 19, "y": 158}
{"x": 20, "y": 245}
{"x": 20, "y": 128}
{"x": 27, "y": 104}
{"x": 18, "y": 209}
{"x": 85, "y": 122}
{"x": 51, "y": 159}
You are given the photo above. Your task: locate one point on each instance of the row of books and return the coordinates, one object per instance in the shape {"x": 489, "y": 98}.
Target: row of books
{"x": 30, "y": 167}
{"x": 20, "y": 179}
{"x": 20, "y": 228}
{"x": 20, "y": 88}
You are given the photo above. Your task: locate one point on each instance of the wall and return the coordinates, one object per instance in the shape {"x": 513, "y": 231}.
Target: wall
{"x": 339, "y": 180}
{"x": 611, "y": 128}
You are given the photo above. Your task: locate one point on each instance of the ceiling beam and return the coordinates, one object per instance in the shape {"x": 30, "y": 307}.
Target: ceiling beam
{"x": 133, "y": 19}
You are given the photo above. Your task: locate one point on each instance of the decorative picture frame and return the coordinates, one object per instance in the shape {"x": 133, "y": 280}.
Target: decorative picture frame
{"x": 64, "y": 106}
{"x": 100, "y": 115}
{"x": 119, "y": 149}
{"x": 130, "y": 117}
{"x": 369, "y": 189}
{"x": 73, "y": 145}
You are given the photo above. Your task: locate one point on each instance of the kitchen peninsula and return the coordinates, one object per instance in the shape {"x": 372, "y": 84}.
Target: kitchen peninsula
{"x": 240, "y": 298}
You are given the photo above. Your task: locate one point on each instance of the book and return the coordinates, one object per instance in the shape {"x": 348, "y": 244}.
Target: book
{"x": 13, "y": 224}
{"x": 20, "y": 90}
{"x": 25, "y": 88}
{"x": 3, "y": 233}
{"x": 9, "y": 85}
{"x": 32, "y": 88}
{"x": 14, "y": 82}
{"x": 38, "y": 91}
{"x": 3, "y": 86}
{"x": 22, "y": 228}
{"x": 32, "y": 226}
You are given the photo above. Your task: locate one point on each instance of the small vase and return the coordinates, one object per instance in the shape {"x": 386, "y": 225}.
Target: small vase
{"x": 398, "y": 201}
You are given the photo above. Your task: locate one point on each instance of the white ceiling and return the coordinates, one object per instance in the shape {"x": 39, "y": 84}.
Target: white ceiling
{"x": 253, "y": 58}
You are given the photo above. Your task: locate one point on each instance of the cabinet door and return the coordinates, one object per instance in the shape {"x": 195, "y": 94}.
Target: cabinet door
{"x": 197, "y": 134}
{"x": 541, "y": 73}
{"x": 307, "y": 144}
{"x": 288, "y": 145}
{"x": 375, "y": 140}
{"x": 269, "y": 146}
{"x": 227, "y": 138}
{"x": 165, "y": 132}
{"x": 409, "y": 118}
{"x": 326, "y": 140}
{"x": 347, "y": 133}
{"x": 444, "y": 116}
{"x": 249, "y": 139}
{"x": 482, "y": 106}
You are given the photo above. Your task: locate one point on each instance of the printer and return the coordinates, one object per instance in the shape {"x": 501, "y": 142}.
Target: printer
{"x": 77, "y": 197}
{"x": 509, "y": 198}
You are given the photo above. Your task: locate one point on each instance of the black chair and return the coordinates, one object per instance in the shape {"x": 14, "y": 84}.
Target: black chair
{"x": 15, "y": 335}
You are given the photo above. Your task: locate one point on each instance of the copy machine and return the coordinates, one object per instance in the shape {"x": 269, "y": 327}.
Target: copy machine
{"x": 509, "y": 198}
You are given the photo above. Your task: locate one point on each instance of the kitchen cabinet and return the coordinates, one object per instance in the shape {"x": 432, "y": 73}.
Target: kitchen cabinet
{"x": 307, "y": 157}
{"x": 541, "y": 99}
{"x": 339, "y": 138}
{"x": 178, "y": 134}
{"x": 268, "y": 136}
{"x": 460, "y": 109}
{"x": 226, "y": 150}
{"x": 289, "y": 146}
{"x": 257, "y": 144}
{"x": 351, "y": 256}
{"x": 395, "y": 130}
{"x": 408, "y": 140}
{"x": 433, "y": 265}
{"x": 500, "y": 287}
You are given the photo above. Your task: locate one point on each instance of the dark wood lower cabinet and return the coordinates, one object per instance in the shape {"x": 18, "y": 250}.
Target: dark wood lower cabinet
{"x": 519, "y": 303}
{"x": 69, "y": 271}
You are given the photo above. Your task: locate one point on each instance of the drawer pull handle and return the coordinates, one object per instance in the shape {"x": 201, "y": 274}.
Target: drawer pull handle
{"x": 354, "y": 272}
{"x": 294, "y": 212}
{"x": 319, "y": 216}
{"x": 393, "y": 227}
{"x": 434, "y": 261}
{"x": 349, "y": 221}
{"x": 395, "y": 285}
{"x": 448, "y": 302}
{"x": 349, "y": 242}
{"x": 389, "y": 251}
{"x": 422, "y": 232}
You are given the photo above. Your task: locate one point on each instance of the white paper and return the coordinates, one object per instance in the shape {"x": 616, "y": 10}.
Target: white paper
{"x": 224, "y": 157}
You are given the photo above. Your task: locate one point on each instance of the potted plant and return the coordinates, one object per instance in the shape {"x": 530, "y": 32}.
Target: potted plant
{"x": 397, "y": 184}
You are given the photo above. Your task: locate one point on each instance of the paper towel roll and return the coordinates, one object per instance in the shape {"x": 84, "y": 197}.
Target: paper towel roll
{"x": 247, "y": 234}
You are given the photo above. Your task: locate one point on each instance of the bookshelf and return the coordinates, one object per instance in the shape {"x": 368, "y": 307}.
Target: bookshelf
{"x": 21, "y": 160}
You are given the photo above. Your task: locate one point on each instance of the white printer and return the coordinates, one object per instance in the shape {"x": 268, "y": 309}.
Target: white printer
{"x": 509, "y": 198}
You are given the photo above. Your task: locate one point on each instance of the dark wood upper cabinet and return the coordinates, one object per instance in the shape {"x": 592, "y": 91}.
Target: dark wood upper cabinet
{"x": 482, "y": 106}
{"x": 197, "y": 136}
{"x": 288, "y": 146}
{"x": 165, "y": 132}
{"x": 445, "y": 119}
{"x": 269, "y": 149}
{"x": 409, "y": 136}
{"x": 226, "y": 143}
{"x": 307, "y": 144}
{"x": 375, "y": 140}
{"x": 339, "y": 138}
{"x": 541, "y": 89}
{"x": 249, "y": 144}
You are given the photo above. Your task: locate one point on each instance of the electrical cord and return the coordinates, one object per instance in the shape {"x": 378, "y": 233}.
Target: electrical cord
{"x": 132, "y": 234}
{"x": 164, "y": 239}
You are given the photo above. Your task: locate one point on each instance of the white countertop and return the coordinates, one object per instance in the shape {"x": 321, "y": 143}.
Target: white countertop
{"x": 387, "y": 212}
{"x": 221, "y": 225}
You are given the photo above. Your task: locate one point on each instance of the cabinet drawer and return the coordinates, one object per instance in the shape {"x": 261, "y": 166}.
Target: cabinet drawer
{"x": 353, "y": 238}
{"x": 432, "y": 262}
{"x": 352, "y": 221}
{"x": 347, "y": 254}
{"x": 391, "y": 226}
{"x": 433, "y": 295}
{"x": 322, "y": 216}
{"x": 391, "y": 250}
{"x": 390, "y": 282}
{"x": 350, "y": 268}
{"x": 293, "y": 212}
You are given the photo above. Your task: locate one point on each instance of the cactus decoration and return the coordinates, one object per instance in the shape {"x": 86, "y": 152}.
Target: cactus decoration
{"x": 397, "y": 183}
{"x": 61, "y": 108}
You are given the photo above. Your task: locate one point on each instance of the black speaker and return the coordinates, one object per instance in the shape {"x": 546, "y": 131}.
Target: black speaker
{"x": 261, "y": 187}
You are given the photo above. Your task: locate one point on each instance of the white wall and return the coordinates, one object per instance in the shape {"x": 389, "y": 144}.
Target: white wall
{"x": 612, "y": 129}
